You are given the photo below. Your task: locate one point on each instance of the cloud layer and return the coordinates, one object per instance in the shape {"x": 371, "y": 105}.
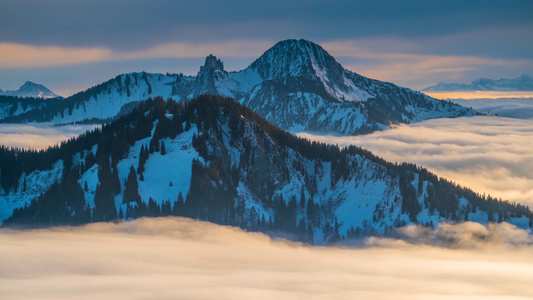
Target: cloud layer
{"x": 401, "y": 62}
{"x": 488, "y": 154}
{"x": 176, "y": 258}
{"x": 38, "y": 136}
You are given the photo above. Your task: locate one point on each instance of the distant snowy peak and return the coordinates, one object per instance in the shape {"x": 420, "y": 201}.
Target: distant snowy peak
{"x": 31, "y": 89}
{"x": 521, "y": 83}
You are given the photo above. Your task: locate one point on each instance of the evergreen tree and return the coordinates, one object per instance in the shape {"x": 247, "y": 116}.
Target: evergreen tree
{"x": 131, "y": 190}
{"x": 163, "y": 149}
{"x": 302, "y": 198}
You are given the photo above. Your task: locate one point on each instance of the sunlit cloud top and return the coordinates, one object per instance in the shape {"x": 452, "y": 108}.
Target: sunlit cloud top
{"x": 177, "y": 258}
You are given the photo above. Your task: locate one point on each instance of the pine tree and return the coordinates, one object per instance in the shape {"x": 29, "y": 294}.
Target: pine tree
{"x": 143, "y": 156}
{"x": 302, "y": 198}
{"x": 131, "y": 191}
{"x": 104, "y": 203}
{"x": 163, "y": 149}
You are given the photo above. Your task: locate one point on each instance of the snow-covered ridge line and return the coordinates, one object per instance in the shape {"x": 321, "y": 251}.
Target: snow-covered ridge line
{"x": 295, "y": 84}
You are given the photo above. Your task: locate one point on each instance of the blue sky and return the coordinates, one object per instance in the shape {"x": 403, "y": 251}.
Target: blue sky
{"x": 72, "y": 45}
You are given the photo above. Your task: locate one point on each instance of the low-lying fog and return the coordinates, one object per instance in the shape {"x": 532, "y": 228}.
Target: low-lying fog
{"x": 488, "y": 154}
{"x": 39, "y": 135}
{"x": 178, "y": 258}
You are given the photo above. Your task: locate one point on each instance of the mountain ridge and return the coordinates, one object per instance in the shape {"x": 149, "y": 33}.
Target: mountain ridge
{"x": 295, "y": 84}
{"x": 521, "y": 83}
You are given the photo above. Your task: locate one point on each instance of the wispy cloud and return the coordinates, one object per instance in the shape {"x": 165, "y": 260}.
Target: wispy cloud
{"x": 384, "y": 59}
{"x": 488, "y": 154}
{"x": 29, "y": 56}
{"x": 176, "y": 258}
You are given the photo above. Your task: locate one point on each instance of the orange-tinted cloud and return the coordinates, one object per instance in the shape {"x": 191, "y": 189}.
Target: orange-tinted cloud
{"x": 27, "y": 56}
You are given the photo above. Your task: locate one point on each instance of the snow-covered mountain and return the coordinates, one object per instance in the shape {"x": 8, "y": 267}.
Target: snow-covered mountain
{"x": 521, "y": 83}
{"x": 216, "y": 160}
{"x": 30, "y": 89}
{"x": 295, "y": 84}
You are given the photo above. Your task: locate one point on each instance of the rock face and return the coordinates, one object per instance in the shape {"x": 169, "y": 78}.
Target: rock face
{"x": 216, "y": 160}
{"x": 296, "y": 85}
{"x": 30, "y": 89}
{"x": 521, "y": 83}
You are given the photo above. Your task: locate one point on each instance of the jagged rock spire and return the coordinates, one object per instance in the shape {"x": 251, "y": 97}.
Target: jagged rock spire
{"x": 212, "y": 64}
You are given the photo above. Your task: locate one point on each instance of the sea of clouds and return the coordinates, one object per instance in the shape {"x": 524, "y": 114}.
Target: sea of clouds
{"x": 489, "y": 154}
{"x": 179, "y": 258}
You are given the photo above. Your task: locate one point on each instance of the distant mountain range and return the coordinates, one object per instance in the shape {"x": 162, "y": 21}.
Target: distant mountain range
{"x": 31, "y": 89}
{"x": 296, "y": 85}
{"x": 522, "y": 83}
{"x": 214, "y": 159}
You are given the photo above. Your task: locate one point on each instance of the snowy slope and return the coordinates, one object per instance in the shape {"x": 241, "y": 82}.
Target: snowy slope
{"x": 295, "y": 85}
{"x": 13, "y": 107}
{"x": 35, "y": 183}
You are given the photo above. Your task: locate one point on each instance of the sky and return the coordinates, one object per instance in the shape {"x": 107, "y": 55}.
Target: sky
{"x": 71, "y": 45}
{"x": 178, "y": 258}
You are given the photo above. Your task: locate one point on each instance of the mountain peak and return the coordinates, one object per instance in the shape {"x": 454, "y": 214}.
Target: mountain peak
{"x": 31, "y": 84}
{"x": 525, "y": 77}
{"x": 31, "y": 89}
{"x": 297, "y": 58}
{"x": 296, "y": 43}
